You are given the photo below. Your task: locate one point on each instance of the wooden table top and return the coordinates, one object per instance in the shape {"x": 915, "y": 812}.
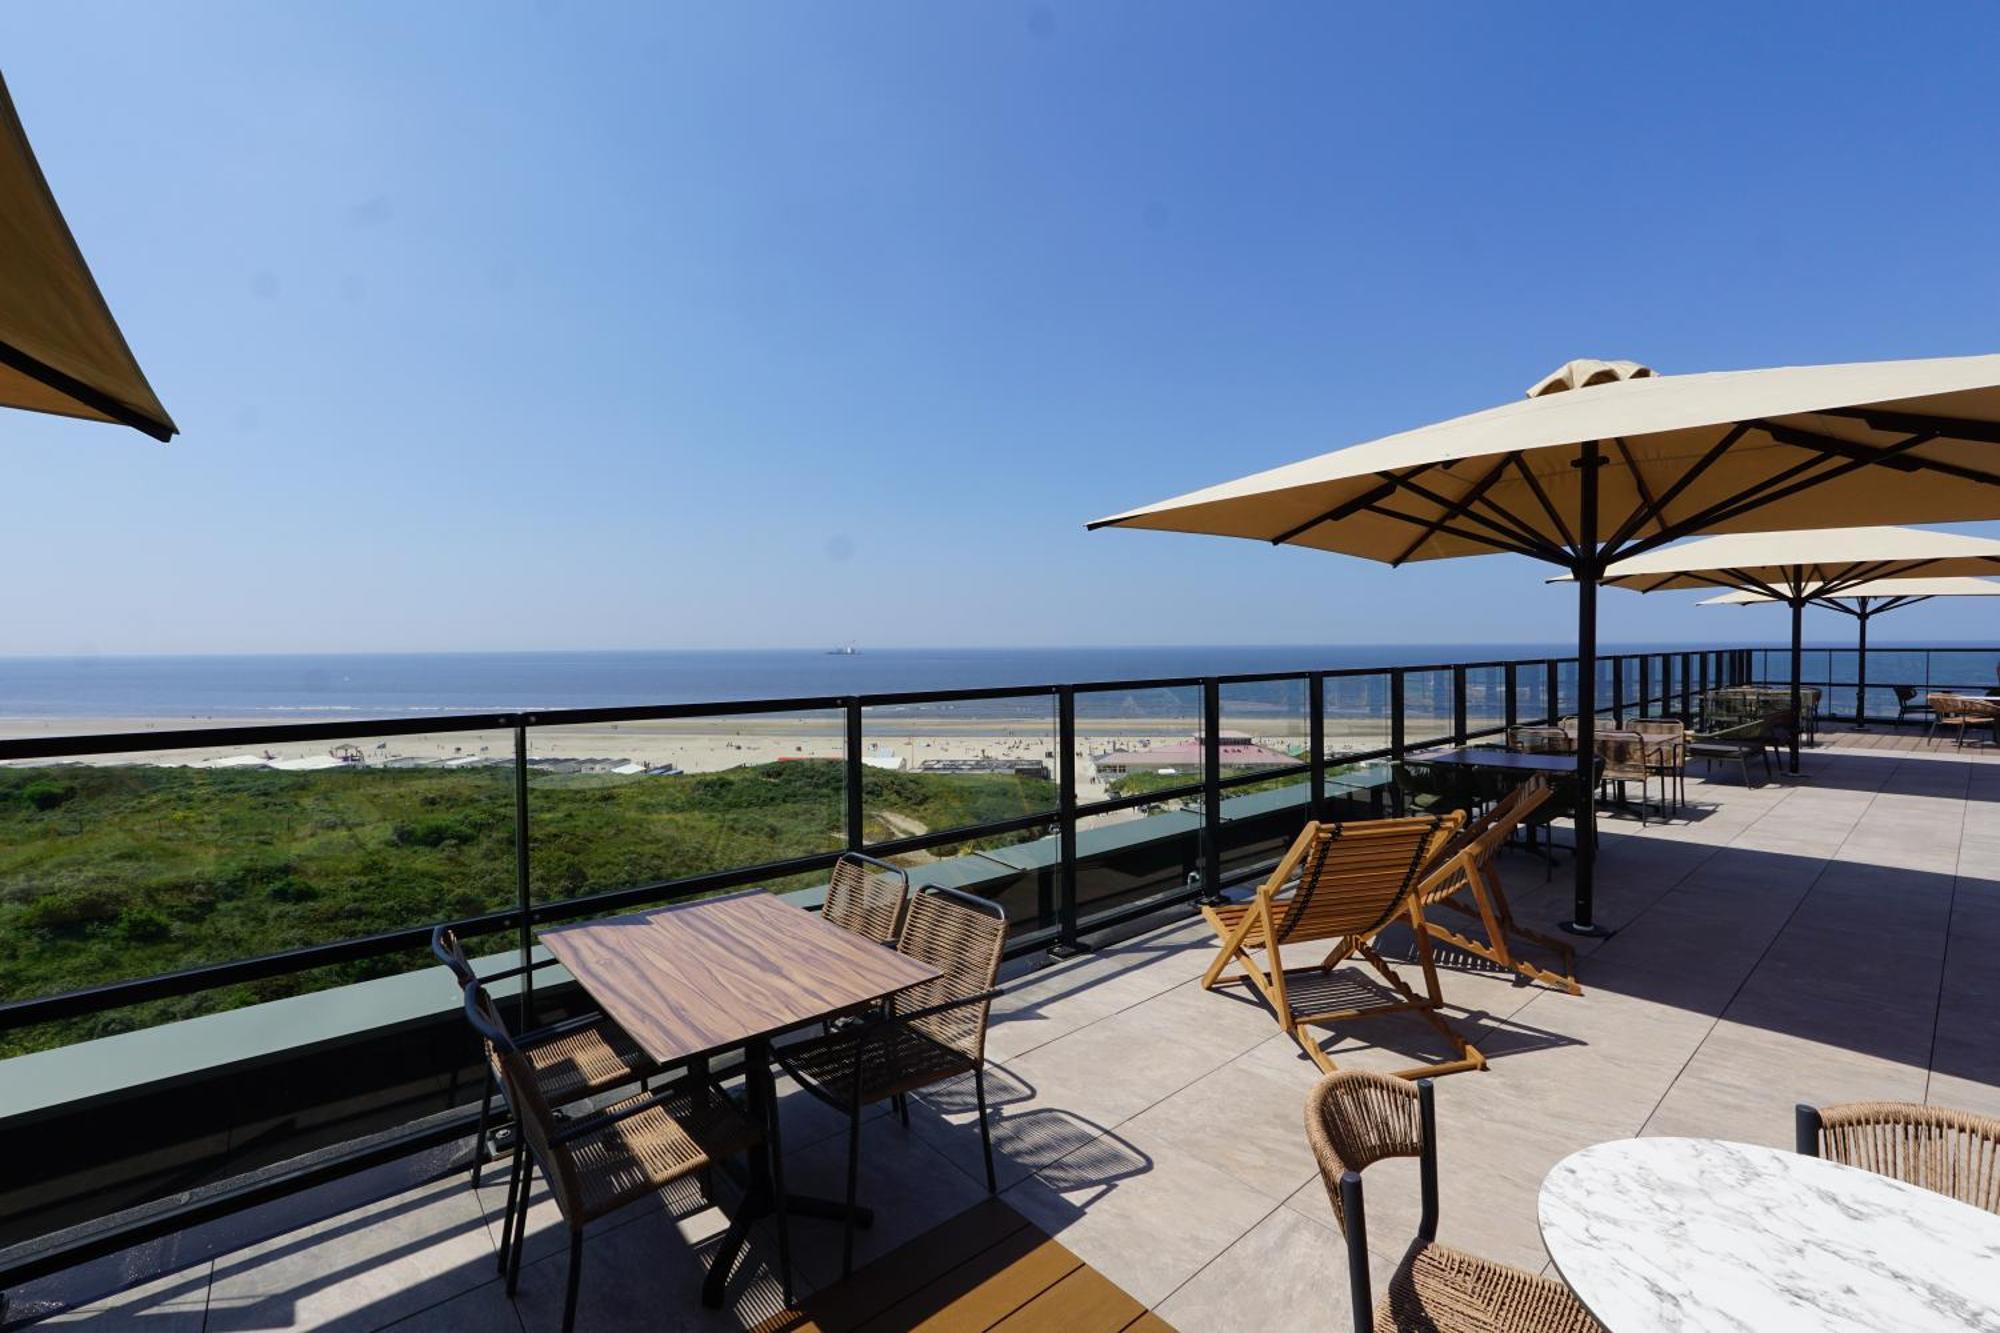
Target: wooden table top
{"x": 707, "y": 976}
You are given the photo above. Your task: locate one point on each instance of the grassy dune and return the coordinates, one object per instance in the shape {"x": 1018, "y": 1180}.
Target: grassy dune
{"x": 117, "y": 872}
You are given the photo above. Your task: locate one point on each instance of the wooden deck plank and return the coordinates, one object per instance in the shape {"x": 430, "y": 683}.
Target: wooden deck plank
{"x": 1084, "y": 1302}
{"x": 876, "y": 1286}
{"x": 979, "y": 1295}
{"x": 1149, "y": 1323}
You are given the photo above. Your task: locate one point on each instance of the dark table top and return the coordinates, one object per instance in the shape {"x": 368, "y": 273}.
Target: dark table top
{"x": 1512, "y": 760}
{"x": 712, "y": 975}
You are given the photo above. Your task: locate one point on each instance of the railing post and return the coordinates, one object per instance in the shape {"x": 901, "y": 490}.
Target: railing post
{"x": 1552, "y": 690}
{"x": 1687, "y": 702}
{"x": 1396, "y": 736}
{"x": 1511, "y": 708}
{"x": 1458, "y": 713}
{"x": 523, "y": 895}
{"x": 1617, "y": 692}
{"x": 1316, "y": 739}
{"x": 1067, "y": 944}
{"x": 1211, "y": 792}
{"x": 856, "y": 816}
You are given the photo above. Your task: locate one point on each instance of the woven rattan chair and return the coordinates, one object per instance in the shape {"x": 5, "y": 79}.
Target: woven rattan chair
{"x": 927, "y": 1034}
{"x": 1960, "y": 711}
{"x": 1666, "y": 754}
{"x": 571, "y": 1060}
{"x": 865, "y": 897}
{"x": 1467, "y": 882}
{"x": 599, "y": 1163}
{"x": 1622, "y": 756}
{"x": 1352, "y": 880}
{"x": 1354, "y": 1120}
{"x": 1907, "y": 705}
{"x": 1954, "y": 1153}
{"x": 1541, "y": 740}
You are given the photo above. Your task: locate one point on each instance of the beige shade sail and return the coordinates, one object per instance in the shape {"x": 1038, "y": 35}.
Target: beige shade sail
{"x": 1887, "y": 589}
{"x": 1817, "y": 562}
{"x": 60, "y": 350}
{"x": 1731, "y": 451}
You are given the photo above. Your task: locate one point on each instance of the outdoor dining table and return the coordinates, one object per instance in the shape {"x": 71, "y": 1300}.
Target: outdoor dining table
{"x": 1672, "y": 1233}
{"x": 1513, "y": 761}
{"x": 700, "y": 979}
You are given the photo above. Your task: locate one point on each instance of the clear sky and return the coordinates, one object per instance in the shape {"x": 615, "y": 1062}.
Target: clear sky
{"x": 584, "y": 325}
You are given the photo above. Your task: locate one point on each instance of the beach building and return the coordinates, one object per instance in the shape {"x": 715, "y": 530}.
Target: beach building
{"x": 1239, "y": 754}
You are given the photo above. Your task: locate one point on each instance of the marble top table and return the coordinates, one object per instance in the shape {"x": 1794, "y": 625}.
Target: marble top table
{"x": 1700, "y": 1234}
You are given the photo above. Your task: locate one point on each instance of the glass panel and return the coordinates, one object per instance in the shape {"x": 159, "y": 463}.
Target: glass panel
{"x": 1566, "y": 688}
{"x": 1485, "y": 699}
{"x": 614, "y": 805}
{"x": 1357, "y": 715}
{"x": 1131, "y": 855}
{"x": 1264, "y": 725}
{"x": 1135, "y": 741}
{"x": 932, "y": 767}
{"x": 1426, "y": 708}
{"x": 1531, "y": 693}
{"x": 1261, "y": 819}
{"x": 134, "y": 865}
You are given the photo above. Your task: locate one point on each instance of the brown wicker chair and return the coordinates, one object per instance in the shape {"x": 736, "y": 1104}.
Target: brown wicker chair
{"x": 927, "y": 1034}
{"x": 599, "y": 1163}
{"x": 1666, "y": 754}
{"x": 1465, "y": 881}
{"x": 865, "y": 897}
{"x": 1541, "y": 740}
{"x": 1623, "y": 756}
{"x": 574, "y": 1059}
{"x": 1354, "y": 1120}
{"x": 1954, "y": 1153}
{"x": 1353, "y": 880}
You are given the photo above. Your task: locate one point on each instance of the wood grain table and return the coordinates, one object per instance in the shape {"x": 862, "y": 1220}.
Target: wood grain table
{"x": 702, "y": 978}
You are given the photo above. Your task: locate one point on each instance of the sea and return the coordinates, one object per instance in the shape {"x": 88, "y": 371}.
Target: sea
{"x": 302, "y": 687}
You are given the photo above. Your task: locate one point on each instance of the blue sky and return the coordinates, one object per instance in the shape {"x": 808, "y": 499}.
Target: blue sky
{"x": 585, "y": 325}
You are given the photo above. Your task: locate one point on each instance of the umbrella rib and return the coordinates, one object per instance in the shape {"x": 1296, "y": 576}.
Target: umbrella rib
{"x": 1648, "y": 505}
{"x": 1461, "y": 508}
{"x": 1771, "y": 490}
{"x": 1806, "y": 439}
{"x": 1658, "y": 508}
{"x": 1367, "y": 499}
{"x": 1542, "y": 496}
{"x": 1956, "y": 428}
{"x": 1482, "y": 539}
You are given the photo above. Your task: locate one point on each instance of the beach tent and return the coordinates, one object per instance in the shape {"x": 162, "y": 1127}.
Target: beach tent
{"x": 60, "y": 350}
{"x": 1606, "y": 459}
{"x": 1864, "y": 602}
{"x": 1797, "y": 567}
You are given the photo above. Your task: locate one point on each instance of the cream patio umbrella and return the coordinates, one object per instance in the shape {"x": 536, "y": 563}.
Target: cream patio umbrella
{"x": 1865, "y": 601}
{"x": 1799, "y": 567}
{"x": 1605, "y": 460}
{"x": 60, "y": 350}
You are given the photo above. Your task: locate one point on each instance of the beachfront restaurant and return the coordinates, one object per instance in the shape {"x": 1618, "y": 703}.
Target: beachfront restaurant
{"x": 1298, "y": 1043}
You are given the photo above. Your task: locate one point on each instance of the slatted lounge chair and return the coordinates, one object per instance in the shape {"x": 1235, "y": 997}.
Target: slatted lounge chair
{"x": 599, "y": 1163}
{"x": 1954, "y": 1153}
{"x": 865, "y": 897}
{"x": 1352, "y": 880}
{"x": 572, "y": 1060}
{"x": 1354, "y": 1120}
{"x": 928, "y": 1034}
{"x": 1467, "y": 882}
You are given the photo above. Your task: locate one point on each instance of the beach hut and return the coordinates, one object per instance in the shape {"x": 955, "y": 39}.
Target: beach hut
{"x": 60, "y": 350}
{"x": 1864, "y": 602}
{"x": 1604, "y": 460}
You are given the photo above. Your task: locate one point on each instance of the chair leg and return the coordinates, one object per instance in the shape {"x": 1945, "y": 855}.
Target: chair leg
{"x": 520, "y": 1227}
{"x": 903, "y": 1108}
{"x": 479, "y": 1137}
{"x": 575, "y": 1276}
{"x": 985, "y": 1133}
{"x": 853, "y": 1187}
{"x": 507, "y": 1237}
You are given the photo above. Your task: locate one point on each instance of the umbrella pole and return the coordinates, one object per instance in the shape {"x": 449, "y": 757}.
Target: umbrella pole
{"x": 1586, "y": 571}
{"x": 1861, "y": 668}
{"x": 1798, "y": 717}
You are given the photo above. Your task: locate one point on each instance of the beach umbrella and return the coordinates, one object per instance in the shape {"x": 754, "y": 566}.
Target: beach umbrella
{"x": 1605, "y": 459}
{"x": 1799, "y": 567}
{"x": 1864, "y": 602}
{"x": 60, "y": 350}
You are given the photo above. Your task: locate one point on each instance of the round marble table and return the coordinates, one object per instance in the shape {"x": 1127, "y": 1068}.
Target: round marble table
{"x": 1701, "y": 1234}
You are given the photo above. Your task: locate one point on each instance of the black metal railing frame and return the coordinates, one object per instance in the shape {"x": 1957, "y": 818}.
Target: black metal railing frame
{"x": 1678, "y": 675}
{"x": 1770, "y": 667}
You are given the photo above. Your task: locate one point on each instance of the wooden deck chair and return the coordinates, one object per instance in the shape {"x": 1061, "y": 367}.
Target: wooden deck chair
{"x": 1465, "y": 880}
{"x": 1352, "y": 880}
